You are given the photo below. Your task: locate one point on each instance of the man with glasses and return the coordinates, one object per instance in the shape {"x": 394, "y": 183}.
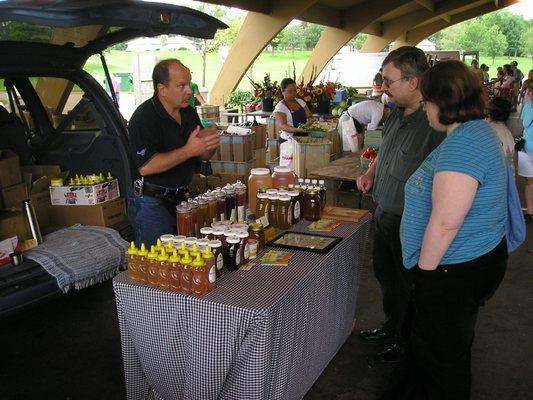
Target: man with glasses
{"x": 407, "y": 141}
{"x": 167, "y": 144}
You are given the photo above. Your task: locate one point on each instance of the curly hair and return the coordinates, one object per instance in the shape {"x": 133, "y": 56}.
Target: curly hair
{"x": 456, "y": 90}
{"x": 286, "y": 82}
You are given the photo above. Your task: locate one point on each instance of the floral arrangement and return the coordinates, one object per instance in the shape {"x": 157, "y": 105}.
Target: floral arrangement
{"x": 324, "y": 91}
{"x": 266, "y": 89}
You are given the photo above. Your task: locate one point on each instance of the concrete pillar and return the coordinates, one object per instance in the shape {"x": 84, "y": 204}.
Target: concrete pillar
{"x": 256, "y": 32}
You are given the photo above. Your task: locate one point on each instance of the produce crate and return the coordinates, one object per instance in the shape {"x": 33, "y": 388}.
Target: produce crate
{"x": 271, "y": 128}
{"x": 336, "y": 142}
{"x": 260, "y": 157}
{"x": 259, "y": 132}
{"x": 229, "y": 167}
{"x": 310, "y": 154}
{"x": 273, "y": 149}
{"x": 372, "y": 139}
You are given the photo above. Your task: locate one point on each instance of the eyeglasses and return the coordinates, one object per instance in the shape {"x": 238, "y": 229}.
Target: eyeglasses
{"x": 389, "y": 83}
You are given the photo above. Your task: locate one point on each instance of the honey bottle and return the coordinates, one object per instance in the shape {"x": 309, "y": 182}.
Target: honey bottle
{"x": 132, "y": 259}
{"x": 153, "y": 273}
{"x": 109, "y": 177}
{"x": 194, "y": 251}
{"x": 175, "y": 271}
{"x": 169, "y": 248}
{"x": 164, "y": 270}
{"x": 210, "y": 268}
{"x": 199, "y": 277}
{"x": 183, "y": 250}
{"x": 142, "y": 255}
{"x": 186, "y": 273}
{"x": 159, "y": 246}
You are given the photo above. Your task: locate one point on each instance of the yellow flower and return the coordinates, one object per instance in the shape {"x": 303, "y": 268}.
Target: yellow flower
{"x": 307, "y": 99}
{"x": 318, "y": 91}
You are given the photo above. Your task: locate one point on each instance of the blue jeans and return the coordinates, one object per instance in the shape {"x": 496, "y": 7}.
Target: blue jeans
{"x": 151, "y": 217}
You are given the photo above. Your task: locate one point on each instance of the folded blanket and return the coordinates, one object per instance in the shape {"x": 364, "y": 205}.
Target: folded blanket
{"x": 81, "y": 256}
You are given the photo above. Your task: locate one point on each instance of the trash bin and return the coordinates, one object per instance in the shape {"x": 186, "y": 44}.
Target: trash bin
{"x": 126, "y": 81}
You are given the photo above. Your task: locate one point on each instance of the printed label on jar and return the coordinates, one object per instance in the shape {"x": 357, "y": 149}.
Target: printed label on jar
{"x": 289, "y": 217}
{"x": 212, "y": 274}
{"x": 220, "y": 262}
{"x": 232, "y": 216}
{"x": 241, "y": 213}
{"x": 238, "y": 258}
{"x": 297, "y": 210}
{"x": 246, "y": 252}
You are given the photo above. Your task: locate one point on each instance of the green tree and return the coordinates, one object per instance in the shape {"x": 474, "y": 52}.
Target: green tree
{"x": 227, "y": 37}
{"x": 496, "y": 44}
{"x": 511, "y": 26}
{"x": 474, "y": 37}
{"x": 527, "y": 39}
{"x": 310, "y": 35}
{"x": 291, "y": 38}
{"x": 358, "y": 41}
{"x": 449, "y": 39}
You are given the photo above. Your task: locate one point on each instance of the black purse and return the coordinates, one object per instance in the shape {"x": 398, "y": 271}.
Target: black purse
{"x": 519, "y": 143}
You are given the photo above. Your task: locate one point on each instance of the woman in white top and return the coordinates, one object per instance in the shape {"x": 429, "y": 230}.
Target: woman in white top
{"x": 290, "y": 112}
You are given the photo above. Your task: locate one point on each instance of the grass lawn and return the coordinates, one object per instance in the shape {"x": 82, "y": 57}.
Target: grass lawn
{"x": 524, "y": 63}
{"x": 278, "y": 64}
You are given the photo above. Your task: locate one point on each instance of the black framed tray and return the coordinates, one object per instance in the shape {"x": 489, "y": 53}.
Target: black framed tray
{"x": 305, "y": 241}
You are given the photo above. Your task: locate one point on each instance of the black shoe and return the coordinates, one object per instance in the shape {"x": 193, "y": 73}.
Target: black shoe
{"x": 375, "y": 335}
{"x": 392, "y": 354}
{"x": 528, "y": 218}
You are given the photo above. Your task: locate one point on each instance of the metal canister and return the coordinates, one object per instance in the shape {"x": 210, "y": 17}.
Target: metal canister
{"x": 31, "y": 219}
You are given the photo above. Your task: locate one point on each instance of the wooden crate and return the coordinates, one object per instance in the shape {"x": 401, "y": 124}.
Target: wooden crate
{"x": 336, "y": 142}
{"x": 260, "y": 157}
{"x": 273, "y": 149}
{"x": 271, "y": 128}
{"x": 310, "y": 154}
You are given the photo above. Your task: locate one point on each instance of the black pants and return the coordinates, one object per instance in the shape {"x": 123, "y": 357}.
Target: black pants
{"x": 442, "y": 318}
{"x": 395, "y": 280}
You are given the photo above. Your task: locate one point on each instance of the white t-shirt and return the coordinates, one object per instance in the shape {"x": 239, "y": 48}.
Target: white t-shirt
{"x": 282, "y": 107}
{"x": 367, "y": 112}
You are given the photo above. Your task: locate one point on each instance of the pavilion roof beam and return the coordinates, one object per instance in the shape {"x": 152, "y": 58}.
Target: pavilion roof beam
{"x": 356, "y": 18}
{"x": 323, "y": 15}
{"x": 400, "y": 25}
{"x": 262, "y": 28}
{"x": 259, "y": 6}
{"x": 429, "y": 4}
{"x": 417, "y": 34}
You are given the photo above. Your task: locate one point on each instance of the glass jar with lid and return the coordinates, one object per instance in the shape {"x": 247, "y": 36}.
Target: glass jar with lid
{"x": 284, "y": 218}
{"x": 283, "y": 176}
{"x": 296, "y": 206}
{"x": 240, "y": 201}
{"x": 312, "y": 208}
{"x": 184, "y": 219}
{"x": 272, "y": 210}
{"x": 258, "y": 181}
{"x": 230, "y": 202}
{"x": 261, "y": 205}
{"x": 257, "y": 232}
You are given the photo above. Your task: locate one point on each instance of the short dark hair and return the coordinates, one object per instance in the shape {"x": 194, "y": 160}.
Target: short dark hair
{"x": 286, "y": 82}
{"x": 483, "y": 66}
{"x": 516, "y": 62}
{"x": 410, "y": 60}
{"x": 160, "y": 73}
{"x": 499, "y": 109}
{"x": 456, "y": 90}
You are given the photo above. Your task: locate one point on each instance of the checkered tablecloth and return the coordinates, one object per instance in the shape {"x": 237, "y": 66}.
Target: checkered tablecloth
{"x": 266, "y": 333}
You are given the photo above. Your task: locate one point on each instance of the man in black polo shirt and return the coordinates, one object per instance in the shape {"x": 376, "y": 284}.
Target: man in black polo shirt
{"x": 407, "y": 141}
{"x": 167, "y": 144}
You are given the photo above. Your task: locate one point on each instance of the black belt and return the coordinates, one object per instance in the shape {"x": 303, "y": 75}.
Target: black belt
{"x": 171, "y": 194}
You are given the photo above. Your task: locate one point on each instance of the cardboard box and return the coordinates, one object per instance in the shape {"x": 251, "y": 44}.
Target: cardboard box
{"x": 9, "y": 168}
{"x": 242, "y": 147}
{"x": 260, "y": 133}
{"x": 84, "y": 195}
{"x": 13, "y": 222}
{"x": 310, "y": 154}
{"x": 226, "y": 153}
{"x": 41, "y": 205}
{"x": 14, "y": 195}
{"x": 105, "y": 214}
{"x": 38, "y": 171}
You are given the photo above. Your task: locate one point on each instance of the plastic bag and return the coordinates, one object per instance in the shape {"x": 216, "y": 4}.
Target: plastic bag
{"x": 350, "y": 140}
{"x": 286, "y": 155}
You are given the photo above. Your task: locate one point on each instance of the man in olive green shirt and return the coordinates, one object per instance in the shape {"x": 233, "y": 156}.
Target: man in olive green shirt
{"x": 407, "y": 141}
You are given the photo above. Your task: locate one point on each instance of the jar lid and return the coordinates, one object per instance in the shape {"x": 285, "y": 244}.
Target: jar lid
{"x": 233, "y": 239}
{"x": 312, "y": 191}
{"x": 218, "y": 231}
{"x": 202, "y": 241}
{"x": 285, "y": 198}
{"x": 242, "y": 234}
{"x": 272, "y": 191}
{"x": 190, "y": 239}
{"x": 262, "y": 196}
{"x": 240, "y": 226}
{"x": 166, "y": 237}
{"x": 284, "y": 170}
{"x": 260, "y": 171}
{"x": 183, "y": 207}
{"x": 206, "y": 230}
{"x": 215, "y": 244}
{"x": 273, "y": 196}
{"x": 294, "y": 193}
{"x": 229, "y": 233}
{"x": 179, "y": 238}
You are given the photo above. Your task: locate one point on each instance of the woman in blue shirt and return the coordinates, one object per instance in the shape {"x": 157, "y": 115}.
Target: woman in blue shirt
{"x": 525, "y": 156}
{"x": 453, "y": 235}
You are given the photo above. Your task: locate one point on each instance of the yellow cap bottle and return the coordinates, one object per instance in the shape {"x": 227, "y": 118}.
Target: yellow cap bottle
{"x": 159, "y": 246}
{"x": 152, "y": 255}
{"x": 186, "y": 259}
{"x": 194, "y": 251}
{"x": 132, "y": 249}
{"x": 207, "y": 253}
{"x": 174, "y": 257}
{"x": 169, "y": 248}
{"x": 198, "y": 262}
{"x": 183, "y": 249}
{"x": 101, "y": 177}
{"x": 142, "y": 251}
{"x": 109, "y": 176}
{"x": 163, "y": 256}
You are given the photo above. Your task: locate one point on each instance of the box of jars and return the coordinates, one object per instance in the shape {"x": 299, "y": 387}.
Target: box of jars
{"x": 85, "y": 191}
